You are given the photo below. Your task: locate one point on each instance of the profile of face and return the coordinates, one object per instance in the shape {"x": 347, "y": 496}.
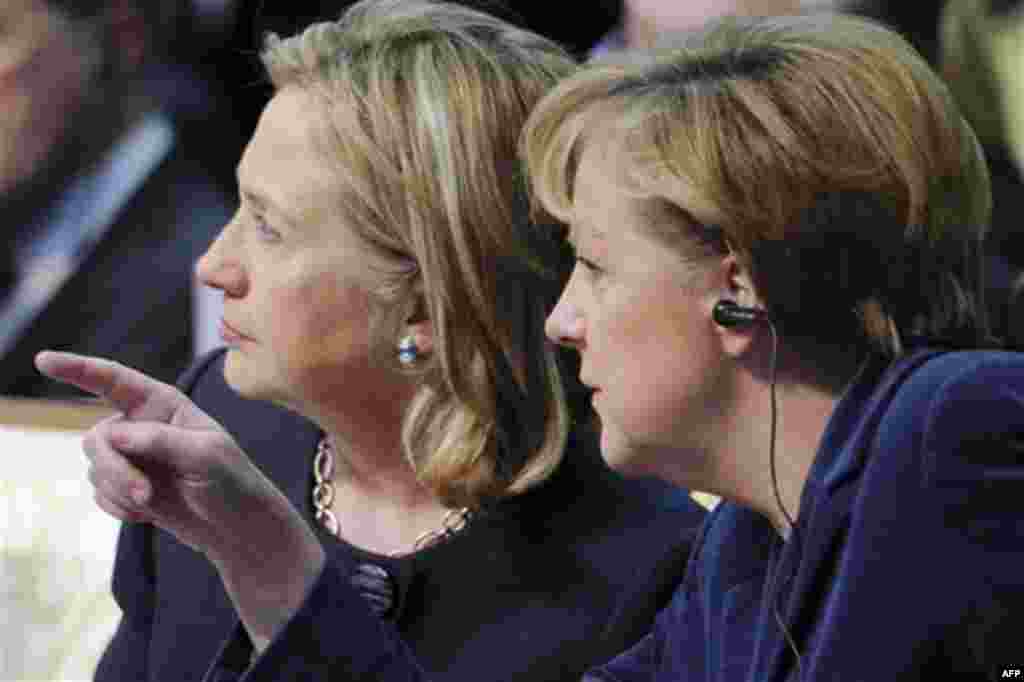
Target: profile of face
{"x": 640, "y": 317}
{"x": 295, "y": 277}
{"x": 45, "y": 71}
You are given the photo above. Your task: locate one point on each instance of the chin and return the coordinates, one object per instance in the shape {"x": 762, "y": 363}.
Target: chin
{"x": 619, "y": 453}
{"x": 242, "y": 378}
{"x": 633, "y": 457}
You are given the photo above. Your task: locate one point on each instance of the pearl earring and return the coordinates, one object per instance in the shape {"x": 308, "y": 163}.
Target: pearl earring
{"x": 408, "y": 351}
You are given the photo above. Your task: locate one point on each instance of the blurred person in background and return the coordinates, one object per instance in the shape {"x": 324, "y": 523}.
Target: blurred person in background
{"x": 980, "y": 57}
{"x": 917, "y": 21}
{"x": 105, "y": 210}
{"x": 642, "y": 21}
{"x": 228, "y": 35}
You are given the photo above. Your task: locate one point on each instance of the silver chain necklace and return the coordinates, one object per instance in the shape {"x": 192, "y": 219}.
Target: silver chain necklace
{"x": 454, "y": 521}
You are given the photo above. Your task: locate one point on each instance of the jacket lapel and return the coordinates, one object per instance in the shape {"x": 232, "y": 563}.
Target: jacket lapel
{"x": 810, "y": 559}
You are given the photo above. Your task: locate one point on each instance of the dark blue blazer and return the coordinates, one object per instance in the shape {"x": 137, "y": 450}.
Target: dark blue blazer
{"x": 907, "y": 560}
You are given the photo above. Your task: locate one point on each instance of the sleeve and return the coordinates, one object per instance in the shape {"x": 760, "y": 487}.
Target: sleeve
{"x": 664, "y": 653}
{"x": 638, "y": 664}
{"x": 126, "y": 656}
{"x": 333, "y": 636}
{"x": 973, "y": 466}
{"x": 134, "y": 584}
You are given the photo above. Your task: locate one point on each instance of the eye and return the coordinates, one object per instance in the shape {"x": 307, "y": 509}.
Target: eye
{"x": 264, "y": 228}
{"x": 588, "y": 265}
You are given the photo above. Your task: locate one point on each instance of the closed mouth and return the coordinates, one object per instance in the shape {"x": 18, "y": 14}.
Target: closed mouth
{"x": 229, "y": 332}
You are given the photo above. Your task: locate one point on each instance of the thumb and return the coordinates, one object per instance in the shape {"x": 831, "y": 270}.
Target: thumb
{"x": 190, "y": 454}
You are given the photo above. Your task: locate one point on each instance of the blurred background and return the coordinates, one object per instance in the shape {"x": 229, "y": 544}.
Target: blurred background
{"x": 121, "y": 122}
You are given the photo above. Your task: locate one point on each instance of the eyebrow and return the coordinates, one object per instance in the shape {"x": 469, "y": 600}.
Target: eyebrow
{"x": 256, "y": 198}
{"x": 253, "y": 195}
{"x": 261, "y": 200}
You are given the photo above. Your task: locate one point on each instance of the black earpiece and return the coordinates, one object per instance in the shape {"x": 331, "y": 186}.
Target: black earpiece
{"x": 730, "y": 314}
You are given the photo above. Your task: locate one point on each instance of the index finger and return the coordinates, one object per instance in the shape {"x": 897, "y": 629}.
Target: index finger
{"x": 135, "y": 394}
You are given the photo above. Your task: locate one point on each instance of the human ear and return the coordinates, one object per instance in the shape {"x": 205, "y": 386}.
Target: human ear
{"x": 738, "y": 284}
{"x": 736, "y": 310}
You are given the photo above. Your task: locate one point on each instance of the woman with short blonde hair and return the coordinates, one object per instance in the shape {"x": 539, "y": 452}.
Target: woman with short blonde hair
{"x": 778, "y": 229}
{"x": 752, "y": 131}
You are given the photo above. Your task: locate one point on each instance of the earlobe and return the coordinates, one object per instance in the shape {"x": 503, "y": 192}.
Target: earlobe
{"x": 735, "y": 326}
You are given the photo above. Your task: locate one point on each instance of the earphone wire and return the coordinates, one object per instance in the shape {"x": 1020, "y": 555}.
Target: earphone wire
{"x": 778, "y": 499}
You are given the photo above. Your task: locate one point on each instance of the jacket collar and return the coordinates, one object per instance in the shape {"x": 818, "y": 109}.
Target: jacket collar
{"x": 844, "y": 447}
{"x": 805, "y": 567}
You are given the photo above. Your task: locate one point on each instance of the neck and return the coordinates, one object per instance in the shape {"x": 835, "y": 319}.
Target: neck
{"x": 803, "y": 414}
{"x": 744, "y": 472}
{"x": 380, "y": 506}
{"x": 374, "y": 466}
{"x": 367, "y": 442}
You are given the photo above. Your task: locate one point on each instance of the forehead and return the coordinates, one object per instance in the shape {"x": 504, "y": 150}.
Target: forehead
{"x": 613, "y": 186}
{"x": 282, "y": 161}
{"x": 606, "y": 202}
{"x": 598, "y": 200}
{"x": 630, "y": 222}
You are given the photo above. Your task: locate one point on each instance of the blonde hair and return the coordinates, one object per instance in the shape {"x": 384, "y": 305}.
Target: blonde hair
{"x": 423, "y": 104}
{"x": 790, "y": 136}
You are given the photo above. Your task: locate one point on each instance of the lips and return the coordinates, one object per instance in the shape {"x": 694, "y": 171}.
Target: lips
{"x": 230, "y": 334}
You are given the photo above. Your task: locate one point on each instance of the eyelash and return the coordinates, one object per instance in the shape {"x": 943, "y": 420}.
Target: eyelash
{"x": 588, "y": 265}
{"x": 264, "y": 228}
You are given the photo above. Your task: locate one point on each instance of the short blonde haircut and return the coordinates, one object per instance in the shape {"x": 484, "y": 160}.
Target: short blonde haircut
{"x": 797, "y": 140}
{"x": 423, "y": 104}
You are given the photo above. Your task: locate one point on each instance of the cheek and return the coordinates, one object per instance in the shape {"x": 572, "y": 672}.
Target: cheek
{"x": 660, "y": 364}
{"x": 323, "y": 325}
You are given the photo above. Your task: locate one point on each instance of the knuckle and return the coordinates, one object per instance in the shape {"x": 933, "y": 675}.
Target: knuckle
{"x": 96, "y": 437}
{"x": 94, "y": 476}
{"x": 90, "y": 441}
{"x": 106, "y": 505}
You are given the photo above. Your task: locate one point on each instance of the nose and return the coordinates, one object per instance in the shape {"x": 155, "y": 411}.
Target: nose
{"x": 221, "y": 268}
{"x": 565, "y": 324}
